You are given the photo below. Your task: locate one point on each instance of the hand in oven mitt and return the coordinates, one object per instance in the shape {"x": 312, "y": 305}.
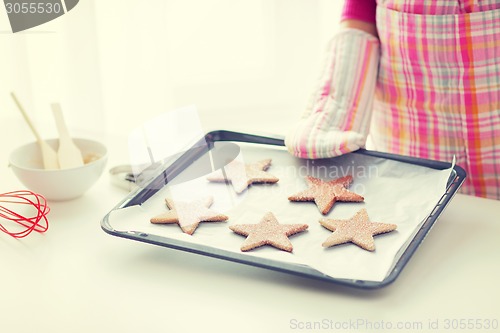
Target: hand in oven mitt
{"x": 338, "y": 117}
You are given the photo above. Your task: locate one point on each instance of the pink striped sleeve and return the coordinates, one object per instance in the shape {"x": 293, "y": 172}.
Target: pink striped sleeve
{"x": 363, "y": 10}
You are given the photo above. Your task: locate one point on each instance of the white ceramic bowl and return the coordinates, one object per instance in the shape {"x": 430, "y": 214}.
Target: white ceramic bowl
{"x": 62, "y": 184}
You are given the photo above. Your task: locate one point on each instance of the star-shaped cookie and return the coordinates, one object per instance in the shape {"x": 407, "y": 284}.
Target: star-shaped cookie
{"x": 188, "y": 215}
{"x": 326, "y": 193}
{"x": 358, "y": 230}
{"x": 242, "y": 175}
{"x": 268, "y": 232}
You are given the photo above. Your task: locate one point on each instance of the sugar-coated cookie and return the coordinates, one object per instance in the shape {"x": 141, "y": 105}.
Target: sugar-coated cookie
{"x": 268, "y": 232}
{"x": 188, "y": 215}
{"x": 242, "y": 175}
{"x": 326, "y": 193}
{"x": 358, "y": 230}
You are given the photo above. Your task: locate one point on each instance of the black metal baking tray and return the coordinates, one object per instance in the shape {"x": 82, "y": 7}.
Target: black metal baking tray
{"x": 162, "y": 174}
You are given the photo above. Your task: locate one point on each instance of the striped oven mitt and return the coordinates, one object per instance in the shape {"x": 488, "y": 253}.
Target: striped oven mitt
{"x": 338, "y": 118}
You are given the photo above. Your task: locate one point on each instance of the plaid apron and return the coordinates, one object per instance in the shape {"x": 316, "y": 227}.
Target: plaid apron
{"x": 438, "y": 89}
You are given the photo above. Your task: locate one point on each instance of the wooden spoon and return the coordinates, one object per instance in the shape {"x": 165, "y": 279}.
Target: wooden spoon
{"x": 68, "y": 154}
{"x": 49, "y": 155}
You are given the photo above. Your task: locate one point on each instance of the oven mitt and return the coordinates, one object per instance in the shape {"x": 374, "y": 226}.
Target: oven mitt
{"x": 338, "y": 118}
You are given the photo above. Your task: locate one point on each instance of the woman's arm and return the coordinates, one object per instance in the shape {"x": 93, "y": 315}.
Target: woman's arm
{"x": 360, "y": 14}
{"x": 368, "y": 27}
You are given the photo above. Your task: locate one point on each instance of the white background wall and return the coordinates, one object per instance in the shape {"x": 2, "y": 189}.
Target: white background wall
{"x": 113, "y": 64}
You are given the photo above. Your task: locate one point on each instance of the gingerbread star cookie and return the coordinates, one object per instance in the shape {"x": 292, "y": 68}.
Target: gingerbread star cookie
{"x": 242, "y": 175}
{"x": 358, "y": 230}
{"x": 188, "y": 215}
{"x": 268, "y": 232}
{"x": 326, "y": 193}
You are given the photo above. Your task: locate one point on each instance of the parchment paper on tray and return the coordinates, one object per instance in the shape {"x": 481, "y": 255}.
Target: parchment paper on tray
{"x": 395, "y": 192}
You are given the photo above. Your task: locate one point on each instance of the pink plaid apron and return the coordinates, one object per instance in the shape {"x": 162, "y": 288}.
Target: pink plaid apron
{"x": 438, "y": 90}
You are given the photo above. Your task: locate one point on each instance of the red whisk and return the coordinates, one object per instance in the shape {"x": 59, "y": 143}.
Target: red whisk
{"x": 34, "y": 219}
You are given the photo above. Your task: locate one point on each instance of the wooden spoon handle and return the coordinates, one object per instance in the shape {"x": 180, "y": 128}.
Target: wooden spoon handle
{"x": 60, "y": 123}
{"x": 26, "y": 117}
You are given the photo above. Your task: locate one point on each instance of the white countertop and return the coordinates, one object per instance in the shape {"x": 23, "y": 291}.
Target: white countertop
{"x": 76, "y": 278}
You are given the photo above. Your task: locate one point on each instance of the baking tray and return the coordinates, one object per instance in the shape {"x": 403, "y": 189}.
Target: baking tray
{"x": 160, "y": 175}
